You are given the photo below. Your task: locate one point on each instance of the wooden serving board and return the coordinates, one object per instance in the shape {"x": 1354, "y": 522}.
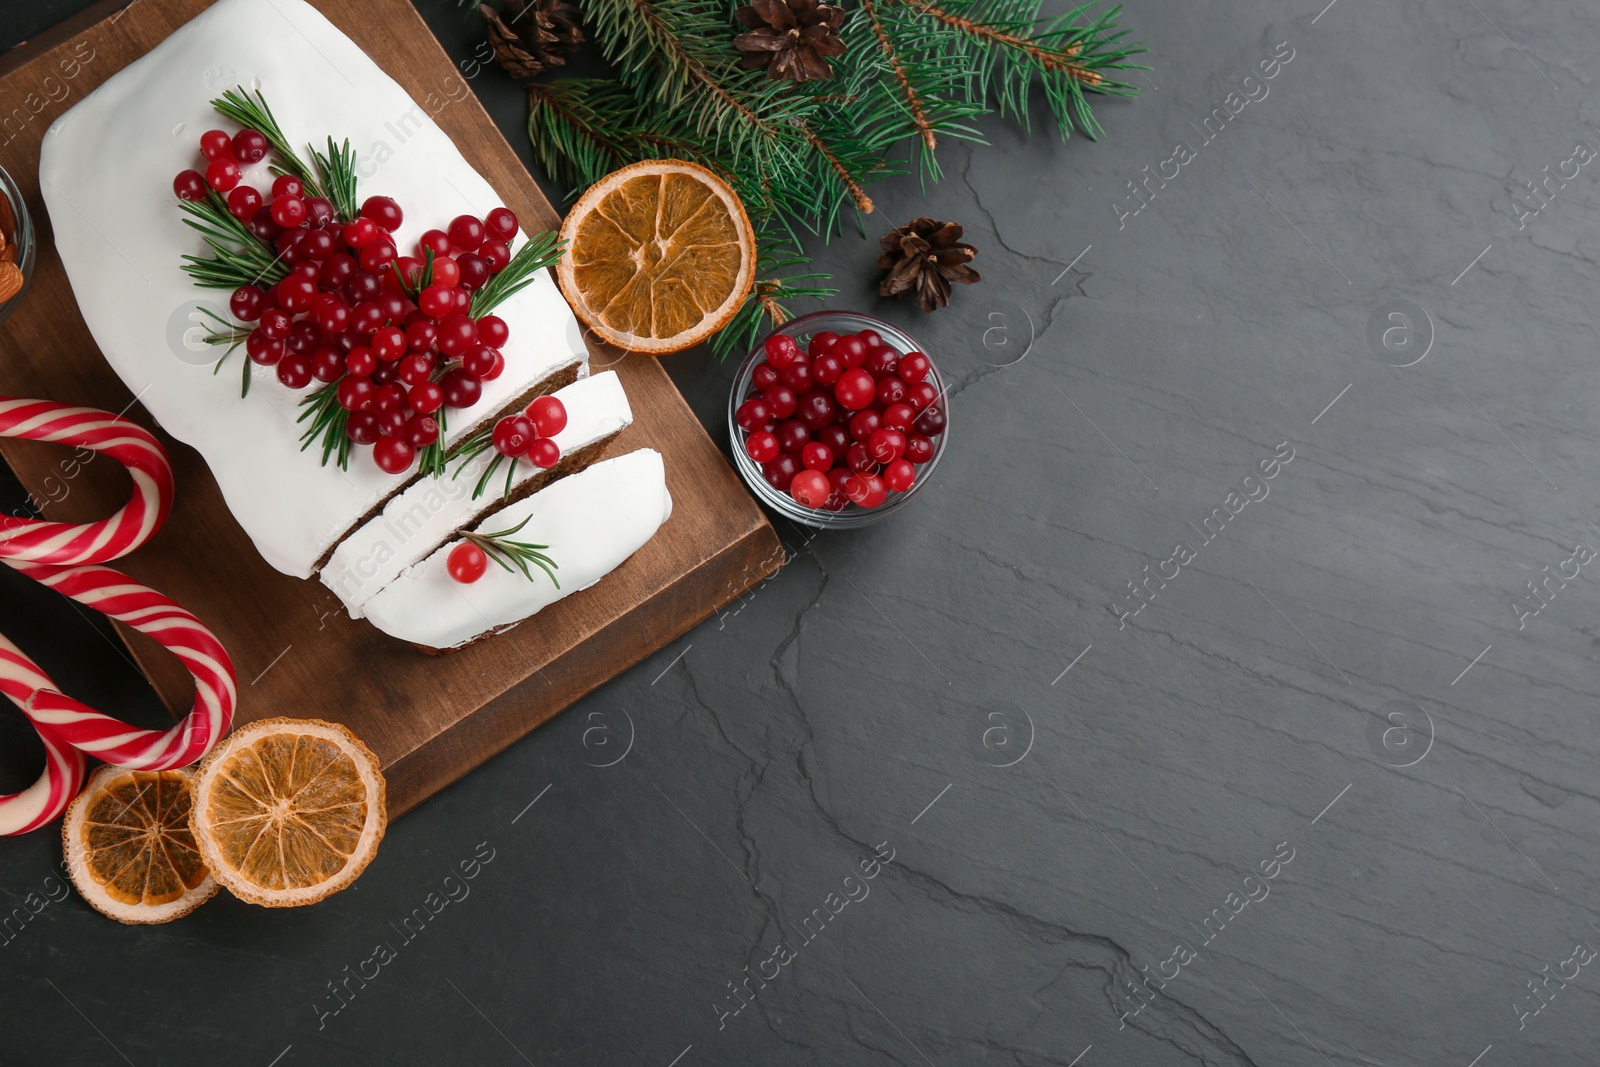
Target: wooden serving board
{"x": 430, "y": 719}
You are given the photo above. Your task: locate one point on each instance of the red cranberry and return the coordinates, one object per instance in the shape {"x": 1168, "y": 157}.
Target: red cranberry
{"x": 244, "y": 202}
{"x": 513, "y": 434}
{"x": 544, "y": 453}
{"x": 814, "y": 455}
{"x": 327, "y": 364}
{"x": 436, "y": 240}
{"x": 864, "y": 423}
{"x": 466, "y": 232}
{"x": 436, "y": 301}
{"x": 792, "y": 436}
{"x": 493, "y": 331}
{"x": 377, "y": 256}
{"x": 899, "y": 416}
{"x": 262, "y": 226}
{"x": 189, "y": 185}
{"x": 761, "y": 446}
{"x": 416, "y": 369}
{"x": 215, "y": 145}
{"x": 920, "y": 394}
{"x": 425, "y": 398}
{"x": 392, "y": 420}
{"x": 474, "y": 271}
{"x": 858, "y": 459}
{"x": 354, "y": 392}
{"x": 752, "y": 415}
{"x": 319, "y": 212}
{"x": 461, "y": 390}
{"x": 914, "y": 366}
{"x": 362, "y": 427}
{"x": 359, "y": 233}
{"x": 288, "y": 211}
{"x": 222, "y": 174}
{"x": 383, "y": 211}
{"x": 421, "y": 335}
{"x": 388, "y": 343}
{"x": 779, "y": 471}
{"x": 276, "y": 323}
{"x": 457, "y": 334}
{"x": 466, "y": 563}
{"x": 294, "y": 370}
{"x": 810, "y": 488}
{"x": 287, "y": 185}
{"x": 930, "y": 423}
{"x": 294, "y": 294}
{"x": 851, "y": 350}
{"x": 816, "y": 409}
{"x": 918, "y": 448}
{"x": 880, "y": 361}
{"x": 360, "y": 361}
{"x": 247, "y": 303}
{"x": 332, "y": 313}
{"x": 479, "y": 361}
{"x": 781, "y": 401}
{"x": 446, "y": 272}
{"x": 886, "y": 445}
{"x": 549, "y": 415}
{"x": 501, "y": 222}
{"x": 250, "y": 146}
{"x": 305, "y": 269}
{"x": 870, "y": 338}
{"x": 890, "y": 390}
{"x": 765, "y": 376}
{"x": 797, "y": 375}
{"x": 781, "y": 350}
{"x": 855, "y": 388}
{"x": 393, "y": 454}
{"x": 422, "y": 430}
{"x": 403, "y": 272}
{"x": 826, "y": 368}
{"x": 391, "y": 395}
{"x": 263, "y": 349}
{"x": 865, "y": 490}
{"x": 495, "y": 255}
{"x": 822, "y": 341}
{"x": 316, "y": 245}
{"x": 836, "y": 437}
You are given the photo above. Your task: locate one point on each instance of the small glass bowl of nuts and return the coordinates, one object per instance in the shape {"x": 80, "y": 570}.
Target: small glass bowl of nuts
{"x": 16, "y": 245}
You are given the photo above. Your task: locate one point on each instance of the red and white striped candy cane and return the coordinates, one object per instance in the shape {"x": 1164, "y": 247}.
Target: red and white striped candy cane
{"x": 63, "y": 557}
{"x": 93, "y": 733}
{"x": 62, "y": 544}
{"x": 20, "y": 679}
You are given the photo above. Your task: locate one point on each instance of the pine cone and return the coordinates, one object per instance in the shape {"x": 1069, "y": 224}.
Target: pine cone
{"x": 531, "y": 37}
{"x": 791, "y": 38}
{"x": 923, "y": 257}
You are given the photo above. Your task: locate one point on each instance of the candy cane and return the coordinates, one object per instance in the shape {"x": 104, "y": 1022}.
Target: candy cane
{"x": 20, "y": 680}
{"x": 36, "y": 541}
{"x": 63, "y": 557}
{"x": 119, "y": 597}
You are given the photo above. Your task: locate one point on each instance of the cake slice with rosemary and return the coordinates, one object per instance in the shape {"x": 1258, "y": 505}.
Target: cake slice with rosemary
{"x": 429, "y": 512}
{"x": 527, "y": 555}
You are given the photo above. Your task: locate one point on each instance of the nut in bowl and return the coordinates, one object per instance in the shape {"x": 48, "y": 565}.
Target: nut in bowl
{"x": 837, "y": 419}
{"x": 16, "y": 245}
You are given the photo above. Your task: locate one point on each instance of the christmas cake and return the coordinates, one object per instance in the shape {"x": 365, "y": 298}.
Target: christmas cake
{"x": 402, "y": 365}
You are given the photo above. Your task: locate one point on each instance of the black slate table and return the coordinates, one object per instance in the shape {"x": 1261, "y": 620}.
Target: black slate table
{"x": 1228, "y": 700}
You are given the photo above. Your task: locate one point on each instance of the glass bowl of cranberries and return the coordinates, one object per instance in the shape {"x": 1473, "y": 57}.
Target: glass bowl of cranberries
{"x": 16, "y": 245}
{"x": 837, "y": 419}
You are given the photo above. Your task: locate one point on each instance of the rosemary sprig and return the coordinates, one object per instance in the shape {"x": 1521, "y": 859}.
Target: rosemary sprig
{"x": 424, "y": 276}
{"x": 241, "y": 257}
{"x": 330, "y": 175}
{"x": 432, "y": 459}
{"x": 328, "y": 421}
{"x": 226, "y": 333}
{"x": 475, "y": 445}
{"x": 537, "y": 252}
{"x": 515, "y": 555}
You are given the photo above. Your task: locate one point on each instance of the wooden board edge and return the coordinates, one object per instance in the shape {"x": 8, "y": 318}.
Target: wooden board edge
{"x": 36, "y": 47}
{"x": 607, "y": 653}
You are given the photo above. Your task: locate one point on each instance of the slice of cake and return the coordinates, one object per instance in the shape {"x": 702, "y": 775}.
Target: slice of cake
{"x": 429, "y": 511}
{"x": 589, "y": 523}
{"x": 106, "y": 172}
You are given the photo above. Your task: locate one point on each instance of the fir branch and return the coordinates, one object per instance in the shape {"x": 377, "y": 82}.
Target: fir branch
{"x": 241, "y": 257}
{"x": 337, "y": 169}
{"x": 515, "y": 555}
{"x": 764, "y": 310}
{"x": 891, "y": 54}
{"x": 537, "y": 252}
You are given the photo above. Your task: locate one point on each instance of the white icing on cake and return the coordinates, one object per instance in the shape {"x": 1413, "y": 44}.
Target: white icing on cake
{"x": 592, "y": 521}
{"x": 106, "y": 172}
{"x": 420, "y": 519}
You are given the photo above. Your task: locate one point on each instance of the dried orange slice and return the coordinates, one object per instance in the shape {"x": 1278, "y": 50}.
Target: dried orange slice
{"x": 129, "y": 848}
{"x": 660, "y": 255}
{"x": 288, "y": 811}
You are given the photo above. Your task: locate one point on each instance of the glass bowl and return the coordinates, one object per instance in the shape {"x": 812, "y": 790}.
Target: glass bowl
{"x": 16, "y": 254}
{"x": 853, "y": 515}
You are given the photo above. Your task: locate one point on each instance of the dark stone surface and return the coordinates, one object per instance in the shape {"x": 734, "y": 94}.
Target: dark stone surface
{"x": 1301, "y": 684}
